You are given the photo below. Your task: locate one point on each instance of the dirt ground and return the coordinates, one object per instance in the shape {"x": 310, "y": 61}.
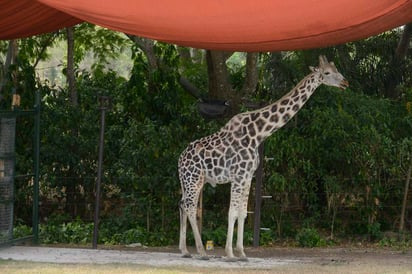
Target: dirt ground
{"x": 266, "y": 260}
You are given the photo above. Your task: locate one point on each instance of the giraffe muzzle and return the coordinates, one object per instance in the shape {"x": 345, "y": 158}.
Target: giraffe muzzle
{"x": 344, "y": 84}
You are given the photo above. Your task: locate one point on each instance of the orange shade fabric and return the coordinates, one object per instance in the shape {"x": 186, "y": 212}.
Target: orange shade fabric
{"x": 23, "y": 18}
{"x": 241, "y": 25}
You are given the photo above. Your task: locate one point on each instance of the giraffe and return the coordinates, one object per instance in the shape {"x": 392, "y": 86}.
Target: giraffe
{"x": 231, "y": 156}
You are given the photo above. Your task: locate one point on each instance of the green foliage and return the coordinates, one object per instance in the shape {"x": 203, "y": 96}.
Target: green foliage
{"x": 335, "y": 165}
{"x": 217, "y": 235}
{"x": 374, "y": 231}
{"x": 21, "y": 231}
{"x": 75, "y": 232}
{"x": 102, "y": 43}
{"x": 309, "y": 237}
{"x": 399, "y": 241}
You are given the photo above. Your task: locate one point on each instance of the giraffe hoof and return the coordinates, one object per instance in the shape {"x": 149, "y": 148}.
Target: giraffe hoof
{"x": 243, "y": 259}
{"x": 186, "y": 255}
{"x": 231, "y": 259}
{"x": 204, "y": 258}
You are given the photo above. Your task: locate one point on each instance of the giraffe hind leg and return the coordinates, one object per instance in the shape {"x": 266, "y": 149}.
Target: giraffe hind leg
{"x": 188, "y": 207}
{"x": 183, "y": 229}
{"x": 198, "y": 240}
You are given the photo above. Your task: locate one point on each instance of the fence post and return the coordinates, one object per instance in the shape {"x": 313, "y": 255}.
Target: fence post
{"x": 258, "y": 196}
{"x": 105, "y": 102}
{"x": 36, "y": 168}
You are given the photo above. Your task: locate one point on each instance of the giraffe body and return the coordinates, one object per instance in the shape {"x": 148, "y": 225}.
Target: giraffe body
{"x": 231, "y": 156}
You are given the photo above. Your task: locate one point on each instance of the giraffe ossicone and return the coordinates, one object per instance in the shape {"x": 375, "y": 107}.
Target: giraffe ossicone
{"x": 231, "y": 156}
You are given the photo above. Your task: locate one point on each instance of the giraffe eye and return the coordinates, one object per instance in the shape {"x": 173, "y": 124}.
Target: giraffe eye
{"x": 327, "y": 72}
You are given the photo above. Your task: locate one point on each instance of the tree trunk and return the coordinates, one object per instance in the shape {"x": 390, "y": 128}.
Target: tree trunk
{"x": 218, "y": 75}
{"x": 71, "y": 203}
{"x": 405, "y": 197}
{"x": 395, "y": 75}
{"x": 146, "y": 45}
{"x": 220, "y": 86}
{"x": 71, "y": 80}
{"x": 10, "y": 60}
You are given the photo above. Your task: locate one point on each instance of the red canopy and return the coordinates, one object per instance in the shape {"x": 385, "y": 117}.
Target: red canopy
{"x": 242, "y": 25}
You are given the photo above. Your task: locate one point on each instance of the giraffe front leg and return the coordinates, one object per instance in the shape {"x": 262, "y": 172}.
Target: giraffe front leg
{"x": 229, "y": 238}
{"x": 241, "y": 220}
{"x": 239, "y": 240}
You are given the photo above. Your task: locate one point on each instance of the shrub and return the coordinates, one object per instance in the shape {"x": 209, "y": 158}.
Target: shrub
{"x": 21, "y": 231}
{"x": 309, "y": 237}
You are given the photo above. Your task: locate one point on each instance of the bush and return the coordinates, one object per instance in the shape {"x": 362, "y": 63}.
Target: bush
{"x": 217, "y": 235}
{"x": 75, "y": 232}
{"x": 21, "y": 231}
{"x": 374, "y": 231}
{"x": 309, "y": 237}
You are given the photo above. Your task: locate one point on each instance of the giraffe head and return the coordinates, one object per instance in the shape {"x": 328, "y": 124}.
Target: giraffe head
{"x": 330, "y": 75}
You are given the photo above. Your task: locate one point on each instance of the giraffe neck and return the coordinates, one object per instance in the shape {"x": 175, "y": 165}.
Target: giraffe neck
{"x": 261, "y": 123}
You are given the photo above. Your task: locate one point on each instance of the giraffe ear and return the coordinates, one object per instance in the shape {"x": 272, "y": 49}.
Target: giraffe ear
{"x": 314, "y": 69}
{"x": 322, "y": 60}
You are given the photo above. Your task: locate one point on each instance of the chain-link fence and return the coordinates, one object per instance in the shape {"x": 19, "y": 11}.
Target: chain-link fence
{"x": 7, "y": 146}
{"x": 9, "y": 122}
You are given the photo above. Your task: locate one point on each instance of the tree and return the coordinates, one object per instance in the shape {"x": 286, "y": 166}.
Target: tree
{"x": 398, "y": 66}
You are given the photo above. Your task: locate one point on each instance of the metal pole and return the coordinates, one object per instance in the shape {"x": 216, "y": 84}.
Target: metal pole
{"x": 36, "y": 168}
{"x": 258, "y": 197}
{"x": 104, "y": 105}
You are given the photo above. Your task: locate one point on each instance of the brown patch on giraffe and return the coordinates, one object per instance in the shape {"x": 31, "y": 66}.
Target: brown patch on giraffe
{"x": 304, "y": 97}
{"x": 254, "y": 116}
{"x": 246, "y": 120}
{"x": 284, "y": 102}
{"x": 286, "y": 117}
{"x": 268, "y": 127}
{"x": 198, "y": 147}
{"x": 274, "y": 118}
{"x": 295, "y": 107}
{"x": 265, "y": 114}
{"x": 251, "y": 130}
{"x": 260, "y": 123}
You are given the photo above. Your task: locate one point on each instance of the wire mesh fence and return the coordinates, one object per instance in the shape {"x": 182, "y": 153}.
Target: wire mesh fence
{"x": 142, "y": 213}
{"x": 7, "y": 144}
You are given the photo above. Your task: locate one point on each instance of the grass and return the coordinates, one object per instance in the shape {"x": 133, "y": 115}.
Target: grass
{"x": 21, "y": 267}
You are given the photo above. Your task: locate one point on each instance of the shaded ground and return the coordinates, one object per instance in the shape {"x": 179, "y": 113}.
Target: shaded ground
{"x": 268, "y": 260}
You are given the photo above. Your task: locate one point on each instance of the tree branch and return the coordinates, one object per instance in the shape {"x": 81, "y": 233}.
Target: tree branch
{"x": 146, "y": 45}
{"x": 189, "y": 87}
{"x": 403, "y": 44}
{"x": 251, "y": 78}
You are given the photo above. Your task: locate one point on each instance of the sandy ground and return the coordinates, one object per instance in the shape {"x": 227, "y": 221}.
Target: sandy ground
{"x": 162, "y": 259}
{"x": 342, "y": 260}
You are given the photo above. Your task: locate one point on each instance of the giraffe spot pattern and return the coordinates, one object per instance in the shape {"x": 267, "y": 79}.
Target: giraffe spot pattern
{"x": 284, "y": 102}
{"x": 286, "y": 117}
{"x": 304, "y": 97}
{"x": 295, "y": 107}
{"x": 274, "y": 118}
{"x": 260, "y": 123}
{"x": 230, "y": 155}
